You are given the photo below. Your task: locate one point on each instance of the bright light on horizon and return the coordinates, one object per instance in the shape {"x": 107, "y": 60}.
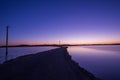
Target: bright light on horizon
{"x": 70, "y": 22}
{"x": 61, "y": 42}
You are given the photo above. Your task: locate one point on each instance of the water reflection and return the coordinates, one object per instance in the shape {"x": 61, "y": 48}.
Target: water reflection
{"x": 14, "y": 52}
{"x": 88, "y": 49}
{"x": 102, "y": 61}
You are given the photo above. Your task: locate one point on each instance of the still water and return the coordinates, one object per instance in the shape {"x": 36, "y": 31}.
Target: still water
{"x": 102, "y": 61}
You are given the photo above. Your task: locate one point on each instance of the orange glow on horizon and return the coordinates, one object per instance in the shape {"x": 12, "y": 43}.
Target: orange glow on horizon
{"x": 61, "y": 42}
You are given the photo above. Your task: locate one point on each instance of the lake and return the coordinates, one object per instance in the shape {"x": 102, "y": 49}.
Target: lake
{"x": 102, "y": 61}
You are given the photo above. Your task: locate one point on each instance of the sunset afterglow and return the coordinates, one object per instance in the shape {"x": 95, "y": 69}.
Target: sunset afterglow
{"x": 70, "y": 22}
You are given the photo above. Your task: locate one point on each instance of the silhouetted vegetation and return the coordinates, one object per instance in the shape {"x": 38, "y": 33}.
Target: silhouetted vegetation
{"x": 57, "y": 45}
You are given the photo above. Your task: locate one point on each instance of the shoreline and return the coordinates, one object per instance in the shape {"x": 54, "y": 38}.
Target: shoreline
{"x": 55, "y": 45}
{"x": 57, "y": 62}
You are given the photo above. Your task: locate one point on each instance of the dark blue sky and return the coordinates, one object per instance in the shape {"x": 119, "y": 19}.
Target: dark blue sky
{"x": 70, "y": 21}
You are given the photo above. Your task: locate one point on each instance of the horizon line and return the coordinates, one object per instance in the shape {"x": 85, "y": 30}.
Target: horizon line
{"x": 60, "y": 44}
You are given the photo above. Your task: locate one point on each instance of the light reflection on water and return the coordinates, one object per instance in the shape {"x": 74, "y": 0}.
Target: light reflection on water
{"x": 102, "y": 61}
{"x": 86, "y": 50}
{"x": 14, "y": 52}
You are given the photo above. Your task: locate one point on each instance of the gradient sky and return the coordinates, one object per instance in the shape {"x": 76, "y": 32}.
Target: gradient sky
{"x": 70, "y": 21}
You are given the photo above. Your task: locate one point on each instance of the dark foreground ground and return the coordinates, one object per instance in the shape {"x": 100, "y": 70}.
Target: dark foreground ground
{"x": 54, "y": 64}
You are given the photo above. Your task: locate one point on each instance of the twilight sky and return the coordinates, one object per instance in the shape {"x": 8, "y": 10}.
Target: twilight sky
{"x": 70, "y": 21}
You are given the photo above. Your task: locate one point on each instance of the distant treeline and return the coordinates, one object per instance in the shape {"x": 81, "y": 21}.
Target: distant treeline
{"x": 56, "y": 45}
